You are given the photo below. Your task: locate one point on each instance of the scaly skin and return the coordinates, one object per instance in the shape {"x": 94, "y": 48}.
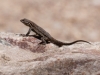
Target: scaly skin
{"x": 43, "y": 35}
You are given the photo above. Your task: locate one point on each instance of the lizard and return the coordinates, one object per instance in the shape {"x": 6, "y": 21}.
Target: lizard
{"x": 43, "y": 35}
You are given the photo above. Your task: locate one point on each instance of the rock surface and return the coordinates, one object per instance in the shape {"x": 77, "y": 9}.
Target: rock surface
{"x": 77, "y": 59}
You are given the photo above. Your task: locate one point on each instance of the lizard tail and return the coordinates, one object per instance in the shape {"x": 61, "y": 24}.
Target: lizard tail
{"x": 77, "y": 41}
{"x": 58, "y": 43}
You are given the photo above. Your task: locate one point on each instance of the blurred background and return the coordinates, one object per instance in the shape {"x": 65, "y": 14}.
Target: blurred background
{"x": 65, "y": 20}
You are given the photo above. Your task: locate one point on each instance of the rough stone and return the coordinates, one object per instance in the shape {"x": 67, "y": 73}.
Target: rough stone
{"x": 77, "y": 59}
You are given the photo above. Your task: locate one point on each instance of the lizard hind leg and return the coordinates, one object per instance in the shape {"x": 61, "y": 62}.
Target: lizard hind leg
{"x": 44, "y": 42}
{"x": 47, "y": 42}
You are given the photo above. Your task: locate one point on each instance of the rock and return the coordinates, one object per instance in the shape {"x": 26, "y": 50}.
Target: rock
{"x": 18, "y": 56}
{"x": 22, "y": 42}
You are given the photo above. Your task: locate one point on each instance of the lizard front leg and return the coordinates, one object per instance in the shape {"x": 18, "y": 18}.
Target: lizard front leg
{"x": 28, "y": 32}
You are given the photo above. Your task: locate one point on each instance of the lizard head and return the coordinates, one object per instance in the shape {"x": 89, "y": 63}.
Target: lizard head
{"x": 25, "y": 21}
